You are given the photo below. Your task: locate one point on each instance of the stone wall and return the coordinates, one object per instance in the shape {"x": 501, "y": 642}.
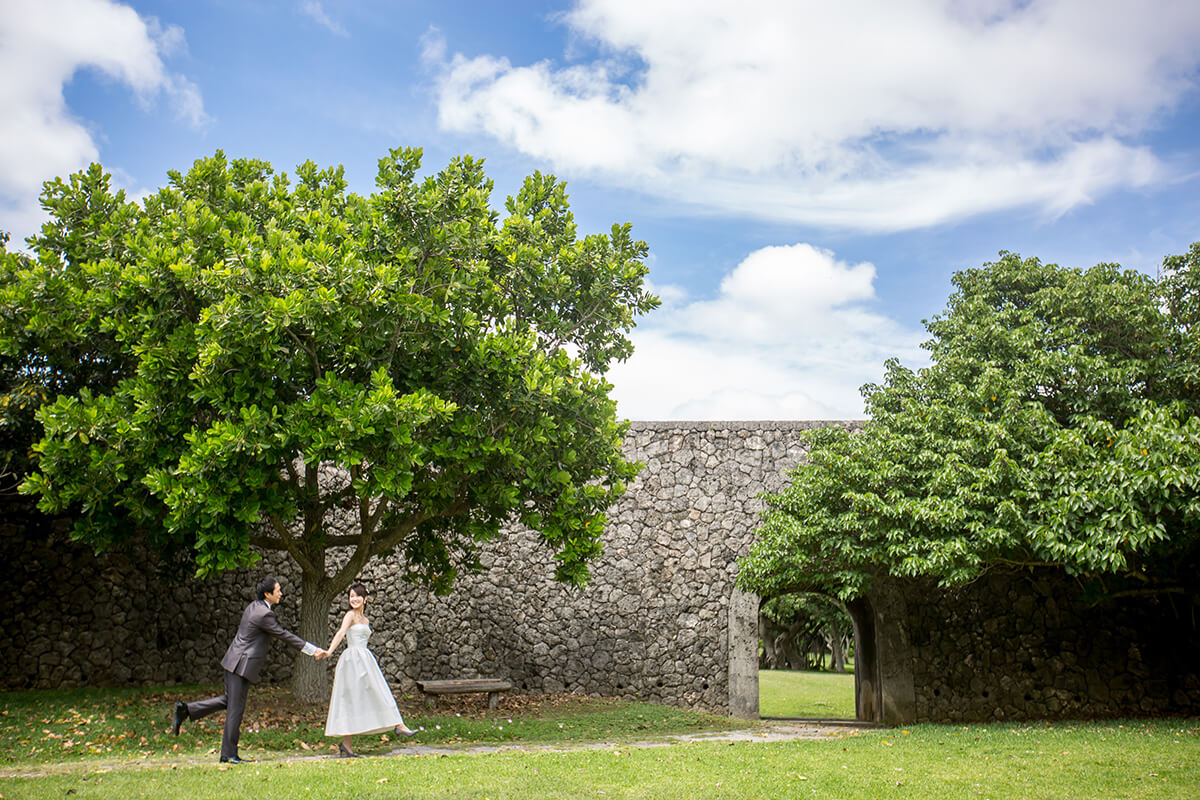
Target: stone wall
{"x": 652, "y": 625}
{"x": 71, "y": 618}
{"x": 1019, "y": 645}
{"x": 661, "y": 620}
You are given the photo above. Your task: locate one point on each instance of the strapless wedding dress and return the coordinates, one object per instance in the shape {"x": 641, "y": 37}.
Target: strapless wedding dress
{"x": 361, "y": 701}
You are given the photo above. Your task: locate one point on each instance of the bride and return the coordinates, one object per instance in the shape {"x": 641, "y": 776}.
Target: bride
{"x": 361, "y": 701}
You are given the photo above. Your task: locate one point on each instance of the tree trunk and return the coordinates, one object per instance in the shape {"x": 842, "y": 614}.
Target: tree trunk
{"x": 310, "y": 678}
{"x": 787, "y": 643}
{"x": 792, "y": 646}
{"x": 836, "y": 647}
{"x": 817, "y": 647}
{"x": 770, "y": 659}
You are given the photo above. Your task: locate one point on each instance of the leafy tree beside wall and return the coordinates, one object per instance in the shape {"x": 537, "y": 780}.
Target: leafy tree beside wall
{"x": 1057, "y": 427}
{"x": 242, "y": 361}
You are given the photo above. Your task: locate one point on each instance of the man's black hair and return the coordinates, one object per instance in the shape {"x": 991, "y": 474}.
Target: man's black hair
{"x": 265, "y": 587}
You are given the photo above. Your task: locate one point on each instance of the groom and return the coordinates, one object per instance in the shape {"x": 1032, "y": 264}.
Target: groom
{"x": 242, "y": 662}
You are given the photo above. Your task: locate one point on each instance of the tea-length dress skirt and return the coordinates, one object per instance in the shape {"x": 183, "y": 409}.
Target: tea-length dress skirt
{"x": 361, "y": 701}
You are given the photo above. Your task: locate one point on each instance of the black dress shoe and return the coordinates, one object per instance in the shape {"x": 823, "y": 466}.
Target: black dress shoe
{"x": 181, "y": 713}
{"x": 234, "y": 760}
{"x": 345, "y": 752}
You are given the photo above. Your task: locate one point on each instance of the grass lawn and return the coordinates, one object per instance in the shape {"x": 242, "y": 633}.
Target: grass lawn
{"x": 1135, "y": 759}
{"x": 116, "y": 744}
{"x": 134, "y": 724}
{"x": 796, "y": 693}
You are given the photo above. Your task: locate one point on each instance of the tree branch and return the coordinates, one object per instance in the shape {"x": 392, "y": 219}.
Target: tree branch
{"x": 396, "y": 533}
{"x": 312, "y": 487}
{"x": 363, "y": 551}
{"x": 293, "y": 548}
{"x": 312, "y": 356}
{"x": 334, "y": 499}
{"x": 1008, "y": 562}
{"x": 341, "y": 541}
{"x": 380, "y": 508}
{"x": 1149, "y": 592}
{"x": 267, "y": 543}
{"x": 394, "y": 343}
{"x": 293, "y": 480}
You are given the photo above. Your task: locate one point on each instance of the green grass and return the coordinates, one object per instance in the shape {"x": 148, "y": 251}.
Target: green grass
{"x": 792, "y": 693}
{"x": 72, "y": 725}
{"x": 116, "y": 744}
{"x": 1137, "y": 759}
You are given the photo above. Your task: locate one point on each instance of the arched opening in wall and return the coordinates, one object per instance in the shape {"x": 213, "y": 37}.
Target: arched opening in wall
{"x": 808, "y": 658}
{"x": 868, "y": 686}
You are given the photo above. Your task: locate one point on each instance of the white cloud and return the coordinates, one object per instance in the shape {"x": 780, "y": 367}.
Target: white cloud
{"x": 314, "y": 10}
{"x": 42, "y": 45}
{"x": 790, "y": 335}
{"x": 876, "y": 115}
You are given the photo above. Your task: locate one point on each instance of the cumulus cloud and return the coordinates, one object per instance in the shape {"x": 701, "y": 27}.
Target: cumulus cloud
{"x": 42, "y": 45}
{"x": 877, "y": 115}
{"x": 791, "y": 334}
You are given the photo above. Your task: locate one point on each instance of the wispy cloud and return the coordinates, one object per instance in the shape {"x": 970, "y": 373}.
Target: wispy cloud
{"x": 42, "y": 45}
{"x": 869, "y": 115}
{"x": 792, "y": 334}
{"x": 314, "y": 9}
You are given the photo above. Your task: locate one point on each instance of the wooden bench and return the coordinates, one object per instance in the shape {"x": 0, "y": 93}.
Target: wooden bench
{"x": 493, "y": 687}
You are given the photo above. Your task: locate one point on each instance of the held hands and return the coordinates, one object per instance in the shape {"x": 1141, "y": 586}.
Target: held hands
{"x": 320, "y": 654}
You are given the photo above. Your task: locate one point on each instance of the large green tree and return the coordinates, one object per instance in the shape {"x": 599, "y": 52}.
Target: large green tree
{"x": 279, "y": 365}
{"x": 1056, "y": 427}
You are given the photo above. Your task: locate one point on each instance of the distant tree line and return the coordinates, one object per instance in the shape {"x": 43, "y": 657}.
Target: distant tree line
{"x": 804, "y": 632}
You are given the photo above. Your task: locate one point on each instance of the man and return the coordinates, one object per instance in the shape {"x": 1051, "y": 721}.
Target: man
{"x": 242, "y": 662}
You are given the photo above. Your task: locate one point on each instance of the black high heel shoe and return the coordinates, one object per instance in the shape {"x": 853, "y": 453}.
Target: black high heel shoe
{"x": 405, "y": 732}
{"x": 343, "y": 752}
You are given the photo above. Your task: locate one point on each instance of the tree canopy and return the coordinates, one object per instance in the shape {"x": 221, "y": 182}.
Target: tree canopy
{"x": 243, "y": 360}
{"x": 1056, "y": 427}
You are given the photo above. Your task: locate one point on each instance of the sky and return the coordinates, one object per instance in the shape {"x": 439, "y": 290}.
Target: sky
{"x": 808, "y": 175}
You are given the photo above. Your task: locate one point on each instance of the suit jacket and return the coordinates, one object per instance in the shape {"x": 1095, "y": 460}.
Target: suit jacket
{"x": 248, "y": 650}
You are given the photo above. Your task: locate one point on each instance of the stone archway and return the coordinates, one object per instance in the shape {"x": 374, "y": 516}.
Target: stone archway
{"x": 868, "y": 689}
{"x": 742, "y": 631}
{"x": 884, "y": 657}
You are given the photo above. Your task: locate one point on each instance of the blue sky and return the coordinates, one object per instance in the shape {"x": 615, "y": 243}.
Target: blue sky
{"x": 808, "y": 175}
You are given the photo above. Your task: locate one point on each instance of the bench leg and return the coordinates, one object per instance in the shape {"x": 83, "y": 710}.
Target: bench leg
{"x": 430, "y": 700}
{"x": 493, "y": 699}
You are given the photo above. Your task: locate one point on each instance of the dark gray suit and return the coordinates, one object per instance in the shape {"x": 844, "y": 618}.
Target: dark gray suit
{"x": 242, "y": 662}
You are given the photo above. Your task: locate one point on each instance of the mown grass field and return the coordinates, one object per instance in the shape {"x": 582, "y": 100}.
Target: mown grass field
{"x": 794, "y": 693}
{"x": 73, "y": 725}
{"x": 593, "y": 754}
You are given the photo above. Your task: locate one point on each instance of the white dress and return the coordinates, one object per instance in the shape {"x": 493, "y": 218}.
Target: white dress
{"x": 361, "y": 701}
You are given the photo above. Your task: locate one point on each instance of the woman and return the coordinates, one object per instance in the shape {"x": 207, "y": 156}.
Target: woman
{"x": 361, "y": 701}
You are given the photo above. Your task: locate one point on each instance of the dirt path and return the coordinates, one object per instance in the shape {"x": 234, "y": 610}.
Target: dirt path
{"x": 766, "y": 731}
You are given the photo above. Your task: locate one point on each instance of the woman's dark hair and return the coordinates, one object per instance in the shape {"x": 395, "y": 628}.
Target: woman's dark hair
{"x": 265, "y": 587}
{"x": 358, "y": 589}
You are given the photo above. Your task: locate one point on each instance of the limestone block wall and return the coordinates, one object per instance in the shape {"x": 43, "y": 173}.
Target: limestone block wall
{"x": 653, "y": 624}
{"x": 1016, "y": 646}
{"x": 660, "y": 621}
{"x": 70, "y": 618}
